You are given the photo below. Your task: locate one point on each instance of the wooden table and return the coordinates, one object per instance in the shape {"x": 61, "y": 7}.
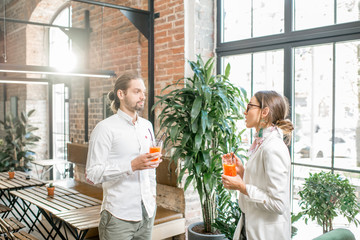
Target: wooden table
{"x": 58, "y": 210}
{"x": 18, "y": 182}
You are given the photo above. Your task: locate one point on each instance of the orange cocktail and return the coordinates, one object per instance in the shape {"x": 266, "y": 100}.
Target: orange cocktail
{"x": 154, "y": 150}
{"x": 155, "y": 146}
{"x": 229, "y": 169}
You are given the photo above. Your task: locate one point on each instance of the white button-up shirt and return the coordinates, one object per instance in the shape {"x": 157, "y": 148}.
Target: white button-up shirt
{"x": 114, "y": 143}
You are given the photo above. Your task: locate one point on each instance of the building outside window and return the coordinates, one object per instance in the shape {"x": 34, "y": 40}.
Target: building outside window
{"x": 310, "y": 52}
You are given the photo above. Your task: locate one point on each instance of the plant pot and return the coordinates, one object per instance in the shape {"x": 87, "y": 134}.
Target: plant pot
{"x": 192, "y": 235}
{"x": 51, "y": 191}
{"x": 11, "y": 175}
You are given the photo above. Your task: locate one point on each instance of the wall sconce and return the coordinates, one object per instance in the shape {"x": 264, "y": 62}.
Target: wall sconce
{"x": 12, "y": 68}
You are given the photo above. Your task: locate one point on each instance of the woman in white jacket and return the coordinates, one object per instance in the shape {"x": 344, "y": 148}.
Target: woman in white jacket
{"x": 264, "y": 181}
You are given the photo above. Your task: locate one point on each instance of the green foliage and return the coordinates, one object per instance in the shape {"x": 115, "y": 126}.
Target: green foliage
{"x": 19, "y": 136}
{"x": 327, "y": 195}
{"x": 228, "y": 212}
{"x": 199, "y": 117}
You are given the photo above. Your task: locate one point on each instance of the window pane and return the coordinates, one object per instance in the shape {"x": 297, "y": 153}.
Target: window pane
{"x": 311, "y": 14}
{"x": 313, "y": 104}
{"x": 241, "y": 20}
{"x": 240, "y": 72}
{"x": 268, "y": 17}
{"x": 236, "y": 20}
{"x": 347, "y": 105}
{"x": 269, "y": 71}
{"x": 348, "y": 10}
{"x": 240, "y": 75}
{"x": 60, "y": 53}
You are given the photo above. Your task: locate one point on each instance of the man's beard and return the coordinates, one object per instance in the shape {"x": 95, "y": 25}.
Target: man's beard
{"x": 139, "y": 107}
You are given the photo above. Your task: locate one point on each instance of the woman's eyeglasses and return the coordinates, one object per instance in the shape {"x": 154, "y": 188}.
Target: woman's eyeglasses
{"x": 249, "y": 106}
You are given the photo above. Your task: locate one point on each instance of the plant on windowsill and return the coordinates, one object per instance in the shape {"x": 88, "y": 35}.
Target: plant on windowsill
{"x": 50, "y": 189}
{"x": 199, "y": 116}
{"x": 11, "y": 173}
{"x": 19, "y": 137}
{"x": 325, "y": 196}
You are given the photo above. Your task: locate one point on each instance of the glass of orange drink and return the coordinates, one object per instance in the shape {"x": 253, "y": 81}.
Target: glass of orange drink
{"x": 155, "y": 146}
{"x": 229, "y": 166}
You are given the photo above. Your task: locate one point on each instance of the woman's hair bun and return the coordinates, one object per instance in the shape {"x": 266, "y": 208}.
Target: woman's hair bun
{"x": 111, "y": 95}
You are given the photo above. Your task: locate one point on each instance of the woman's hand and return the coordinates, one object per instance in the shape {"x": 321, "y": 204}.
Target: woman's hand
{"x": 234, "y": 183}
{"x": 239, "y": 165}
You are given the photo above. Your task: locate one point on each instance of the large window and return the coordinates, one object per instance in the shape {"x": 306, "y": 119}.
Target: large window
{"x": 309, "y": 51}
{"x": 61, "y": 57}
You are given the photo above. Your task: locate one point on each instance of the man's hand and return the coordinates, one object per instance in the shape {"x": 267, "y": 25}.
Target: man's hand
{"x": 143, "y": 161}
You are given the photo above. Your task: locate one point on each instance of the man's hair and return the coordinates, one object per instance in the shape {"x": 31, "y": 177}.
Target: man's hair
{"x": 121, "y": 83}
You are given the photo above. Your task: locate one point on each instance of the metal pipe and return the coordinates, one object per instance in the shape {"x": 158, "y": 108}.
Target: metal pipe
{"x": 36, "y": 23}
{"x": 113, "y": 6}
{"x": 151, "y": 67}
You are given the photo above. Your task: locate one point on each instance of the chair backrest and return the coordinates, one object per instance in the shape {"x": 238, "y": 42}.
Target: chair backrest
{"x": 4, "y": 229}
{"x": 337, "y": 234}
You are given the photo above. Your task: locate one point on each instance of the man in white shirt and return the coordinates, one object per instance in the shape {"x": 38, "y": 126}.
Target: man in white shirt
{"x": 119, "y": 158}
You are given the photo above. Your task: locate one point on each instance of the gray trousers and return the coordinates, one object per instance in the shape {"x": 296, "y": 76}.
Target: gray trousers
{"x": 112, "y": 228}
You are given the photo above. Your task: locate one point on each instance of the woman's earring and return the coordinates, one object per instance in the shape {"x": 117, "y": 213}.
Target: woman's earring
{"x": 261, "y": 129}
{"x": 260, "y": 135}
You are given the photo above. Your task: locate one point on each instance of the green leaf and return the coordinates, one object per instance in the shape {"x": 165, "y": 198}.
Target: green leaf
{"x": 196, "y": 107}
{"x": 198, "y": 141}
{"x": 204, "y": 120}
{"x": 185, "y": 139}
{"x": 227, "y": 71}
{"x": 188, "y": 181}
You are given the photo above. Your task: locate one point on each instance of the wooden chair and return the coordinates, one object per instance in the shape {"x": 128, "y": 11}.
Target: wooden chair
{"x": 6, "y": 230}
{"x": 4, "y": 210}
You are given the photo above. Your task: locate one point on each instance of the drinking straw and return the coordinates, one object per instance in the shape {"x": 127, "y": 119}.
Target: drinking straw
{"x": 162, "y": 136}
{"x": 232, "y": 155}
{"x": 152, "y": 139}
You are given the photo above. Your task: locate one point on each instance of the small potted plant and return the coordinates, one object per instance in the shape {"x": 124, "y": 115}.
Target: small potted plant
{"x": 51, "y": 189}
{"x": 325, "y": 196}
{"x": 11, "y": 173}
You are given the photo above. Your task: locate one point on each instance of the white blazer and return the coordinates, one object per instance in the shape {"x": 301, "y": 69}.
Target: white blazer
{"x": 267, "y": 179}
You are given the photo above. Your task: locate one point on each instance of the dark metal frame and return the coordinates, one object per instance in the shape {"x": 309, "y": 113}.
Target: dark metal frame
{"x": 287, "y": 41}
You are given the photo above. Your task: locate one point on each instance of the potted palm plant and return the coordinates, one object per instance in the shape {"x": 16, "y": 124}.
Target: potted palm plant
{"x": 199, "y": 115}
{"x": 19, "y": 137}
{"x": 326, "y": 195}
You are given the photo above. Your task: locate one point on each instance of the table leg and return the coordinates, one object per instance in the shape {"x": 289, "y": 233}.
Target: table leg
{"x": 49, "y": 218}
{"x": 78, "y": 235}
{"x": 25, "y": 210}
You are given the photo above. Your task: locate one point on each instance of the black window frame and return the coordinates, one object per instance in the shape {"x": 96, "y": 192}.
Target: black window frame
{"x": 288, "y": 41}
